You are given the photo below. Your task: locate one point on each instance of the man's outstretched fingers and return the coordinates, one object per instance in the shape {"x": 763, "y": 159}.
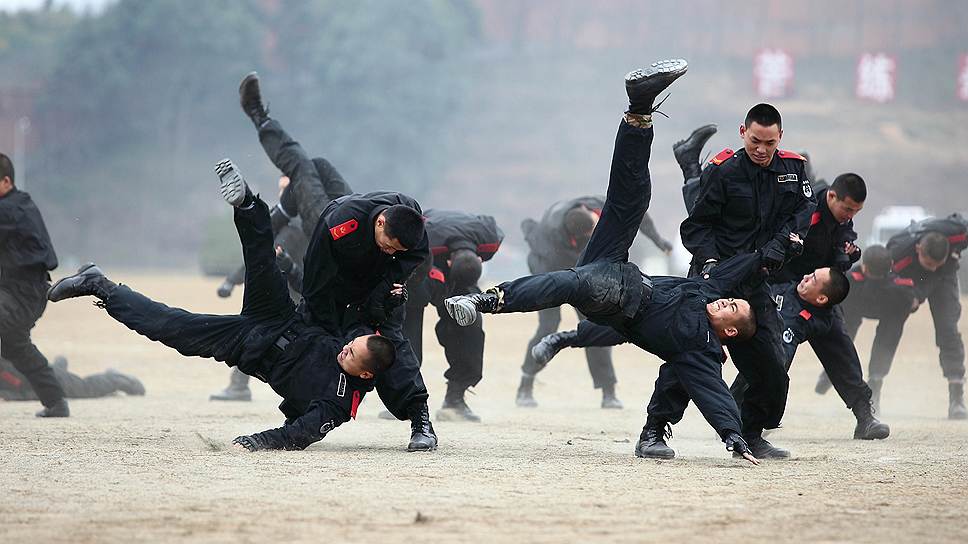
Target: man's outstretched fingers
{"x": 749, "y": 457}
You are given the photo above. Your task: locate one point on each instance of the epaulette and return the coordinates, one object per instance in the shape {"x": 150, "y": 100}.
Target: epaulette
{"x": 858, "y": 276}
{"x": 488, "y": 248}
{"x": 343, "y": 229}
{"x": 815, "y": 218}
{"x": 805, "y": 315}
{"x": 903, "y": 263}
{"x": 905, "y": 282}
{"x": 722, "y": 156}
{"x": 784, "y": 154}
{"x": 436, "y": 275}
{"x": 438, "y": 250}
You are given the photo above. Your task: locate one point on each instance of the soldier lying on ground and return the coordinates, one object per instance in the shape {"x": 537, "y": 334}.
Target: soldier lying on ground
{"x": 14, "y": 386}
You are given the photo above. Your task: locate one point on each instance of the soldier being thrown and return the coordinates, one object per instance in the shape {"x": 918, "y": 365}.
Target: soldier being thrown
{"x": 321, "y": 378}
{"x": 682, "y": 320}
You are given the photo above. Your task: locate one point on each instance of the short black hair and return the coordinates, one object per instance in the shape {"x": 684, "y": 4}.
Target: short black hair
{"x": 577, "y": 222}
{"x": 404, "y": 224}
{"x": 745, "y": 329}
{"x": 877, "y": 259}
{"x": 6, "y": 167}
{"x": 765, "y": 115}
{"x": 465, "y": 268}
{"x": 850, "y": 185}
{"x": 382, "y": 354}
{"x": 837, "y": 288}
{"x": 936, "y": 246}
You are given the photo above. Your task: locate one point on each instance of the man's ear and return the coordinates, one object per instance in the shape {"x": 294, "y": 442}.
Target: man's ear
{"x": 730, "y": 332}
{"x": 822, "y": 300}
{"x": 366, "y": 375}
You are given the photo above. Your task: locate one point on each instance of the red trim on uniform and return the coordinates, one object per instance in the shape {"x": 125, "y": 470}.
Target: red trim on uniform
{"x": 722, "y": 156}
{"x": 903, "y": 263}
{"x": 906, "y": 282}
{"x": 343, "y": 229}
{"x": 438, "y": 250}
{"x": 356, "y": 404}
{"x": 436, "y": 275}
{"x": 805, "y": 314}
{"x": 955, "y": 238}
{"x": 858, "y": 276}
{"x": 488, "y": 248}
{"x": 784, "y": 154}
{"x": 10, "y": 378}
{"x": 815, "y": 218}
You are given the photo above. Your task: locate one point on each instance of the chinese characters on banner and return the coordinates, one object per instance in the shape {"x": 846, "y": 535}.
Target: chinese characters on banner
{"x": 773, "y": 73}
{"x": 876, "y": 74}
{"x": 963, "y": 78}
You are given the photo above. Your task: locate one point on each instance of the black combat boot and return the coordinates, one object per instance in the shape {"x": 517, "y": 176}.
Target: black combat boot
{"x": 652, "y": 441}
{"x": 875, "y": 385}
{"x": 58, "y": 409}
{"x": 525, "y": 397}
{"x": 868, "y": 427}
{"x": 232, "y": 185}
{"x": 455, "y": 408}
{"x": 687, "y": 151}
{"x": 422, "y": 436}
{"x": 956, "y": 401}
{"x": 238, "y": 389}
{"x": 250, "y": 98}
{"x": 609, "y": 400}
{"x": 550, "y": 345}
{"x": 464, "y": 308}
{"x": 88, "y": 280}
{"x": 645, "y": 84}
{"x": 760, "y": 448}
{"x": 823, "y": 384}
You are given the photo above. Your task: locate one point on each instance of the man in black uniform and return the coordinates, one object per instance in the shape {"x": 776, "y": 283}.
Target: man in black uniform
{"x": 26, "y": 256}
{"x": 14, "y": 386}
{"x": 830, "y": 244}
{"x": 321, "y": 380}
{"x": 876, "y": 293}
{"x": 459, "y": 243}
{"x": 555, "y": 243}
{"x": 753, "y": 200}
{"x": 679, "y": 319}
{"x": 362, "y": 250}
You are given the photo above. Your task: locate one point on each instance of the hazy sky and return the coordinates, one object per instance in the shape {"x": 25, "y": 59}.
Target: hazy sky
{"x": 12, "y": 5}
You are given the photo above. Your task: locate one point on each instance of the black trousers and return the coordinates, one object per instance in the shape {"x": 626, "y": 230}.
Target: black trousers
{"x": 14, "y": 386}
{"x": 463, "y": 346}
{"x": 238, "y": 340}
{"x": 315, "y": 184}
{"x": 21, "y": 305}
{"x": 599, "y": 359}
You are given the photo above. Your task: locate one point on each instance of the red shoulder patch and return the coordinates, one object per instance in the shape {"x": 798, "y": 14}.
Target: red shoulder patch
{"x": 722, "y": 156}
{"x": 784, "y": 154}
{"x": 343, "y": 229}
{"x": 857, "y": 276}
{"x": 954, "y": 239}
{"x": 815, "y": 218}
{"x": 10, "y": 378}
{"x": 438, "y": 250}
{"x": 903, "y": 263}
{"x": 906, "y": 282}
{"x": 805, "y": 314}
{"x": 436, "y": 275}
{"x": 488, "y": 248}
{"x": 356, "y": 404}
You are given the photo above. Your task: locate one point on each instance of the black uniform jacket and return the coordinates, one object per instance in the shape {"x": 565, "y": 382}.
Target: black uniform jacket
{"x": 343, "y": 264}
{"x": 25, "y": 246}
{"x": 823, "y": 246}
{"x": 451, "y": 230}
{"x": 742, "y": 207}
{"x": 877, "y": 297}
{"x": 905, "y": 257}
{"x": 802, "y": 321}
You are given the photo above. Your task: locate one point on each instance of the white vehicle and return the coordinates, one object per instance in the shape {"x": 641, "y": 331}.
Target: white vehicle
{"x": 892, "y": 220}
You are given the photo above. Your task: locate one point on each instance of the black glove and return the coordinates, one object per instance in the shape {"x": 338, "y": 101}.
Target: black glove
{"x": 397, "y": 300}
{"x": 225, "y": 290}
{"x": 772, "y": 255}
{"x": 734, "y": 442}
{"x": 273, "y": 439}
{"x": 707, "y": 267}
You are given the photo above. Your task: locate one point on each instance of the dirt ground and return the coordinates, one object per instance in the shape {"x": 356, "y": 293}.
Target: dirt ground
{"x": 158, "y": 468}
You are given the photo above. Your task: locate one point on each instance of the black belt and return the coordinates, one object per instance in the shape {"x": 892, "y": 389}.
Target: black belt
{"x": 278, "y": 348}
{"x": 647, "y": 287}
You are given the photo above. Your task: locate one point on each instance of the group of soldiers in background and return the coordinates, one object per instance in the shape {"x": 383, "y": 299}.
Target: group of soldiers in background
{"x": 347, "y": 271}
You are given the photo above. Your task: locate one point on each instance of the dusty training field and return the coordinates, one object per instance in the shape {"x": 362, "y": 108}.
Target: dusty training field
{"x": 158, "y": 468}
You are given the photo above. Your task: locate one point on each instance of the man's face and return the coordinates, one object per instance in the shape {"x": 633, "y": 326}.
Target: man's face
{"x": 353, "y": 357}
{"x": 760, "y": 142}
{"x": 726, "y": 314}
{"x": 6, "y": 185}
{"x": 843, "y": 210}
{"x": 925, "y": 260}
{"x": 811, "y": 287}
{"x": 383, "y": 241}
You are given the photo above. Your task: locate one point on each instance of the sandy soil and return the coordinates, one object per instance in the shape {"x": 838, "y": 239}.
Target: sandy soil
{"x": 158, "y": 468}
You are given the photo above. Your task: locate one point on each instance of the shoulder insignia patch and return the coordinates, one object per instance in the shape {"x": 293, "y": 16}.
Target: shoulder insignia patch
{"x": 906, "y": 282}
{"x": 805, "y": 315}
{"x": 903, "y": 263}
{"x": 784, "y": 154}
{"x": 343, "y": 229}
{"x": 858, "y": 276}
{"x": 722, "y": 156}
{"x": 788, "y": 335}
{"x": 815, "y": 218}
{"x": 436, "y": 275}
{"x": 954, "y": 239}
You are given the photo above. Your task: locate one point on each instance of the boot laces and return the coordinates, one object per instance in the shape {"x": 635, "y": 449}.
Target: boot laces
{"x": 655, "y": 108}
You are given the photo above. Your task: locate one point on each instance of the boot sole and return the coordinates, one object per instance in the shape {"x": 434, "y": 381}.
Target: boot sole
{"x": 413, "y": 449}
{"x": 50, "y": 292}
{"x": 878, "y": 436}
{"x": 671, "y": 69}
{"x": 231, "y": 184}
{"x": 460, "y": 313}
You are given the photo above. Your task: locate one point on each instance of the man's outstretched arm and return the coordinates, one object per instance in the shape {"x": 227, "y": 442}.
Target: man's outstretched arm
{"x": 323, "y": 416}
